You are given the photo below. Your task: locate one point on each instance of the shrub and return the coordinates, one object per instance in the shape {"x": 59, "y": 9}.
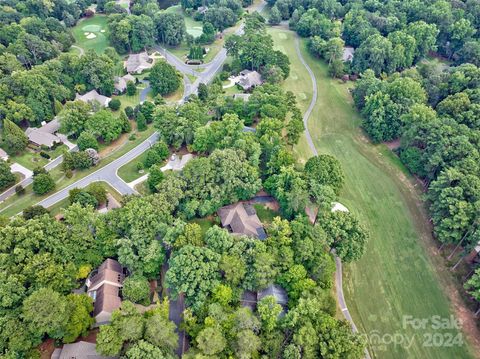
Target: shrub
{"x": 157, "y": 154}
{"x": 114, "y": 104}
{"x": 43, "y": 183}
{"x": 45, "y": 155}
{"x": 131, "y": 88}
{"x": 87, "y": 140}
{"x": 129, "y": 112}
{"x": 34, "y": 211}
{"x": 19, "y": 190}
{"x": 85, "y": 199}
{"x": 98, "y": 191}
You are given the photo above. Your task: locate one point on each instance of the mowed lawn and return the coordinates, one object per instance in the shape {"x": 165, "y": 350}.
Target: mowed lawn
{"x": 95, "y": 27}
{"x": 396, "y": 277}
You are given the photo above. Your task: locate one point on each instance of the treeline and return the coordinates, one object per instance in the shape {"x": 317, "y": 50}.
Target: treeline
{"x": 32, "y": 32}
{"x": 32, "y": 96}
{"x": 439, "y": 131}
{"x": 387, "y": 36}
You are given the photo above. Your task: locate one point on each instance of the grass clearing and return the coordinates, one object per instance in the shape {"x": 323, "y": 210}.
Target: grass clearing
{"x": 265, "y": 214}
{"x": 204, "y": 223}
{"x": 397, "y": 276}
{"x": 96, "y": 25}
{"x": 129, "y": 172}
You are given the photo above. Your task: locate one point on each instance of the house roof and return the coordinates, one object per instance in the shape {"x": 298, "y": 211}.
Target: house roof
{"x": 242, "y": 219}
{"x": 104, "y": 286}
{"x": 121, "y": 82}
{"x": 3, "y": 154}
{"x": 348, "y": 52}
{"x": 79, "y": 350}
{"x": 276, "y": 291}
{"x": 249, "y": 79}
{"x": 44, "y": 135}
{"x": 136, "y": 63}
{"x": 93, "y": 96}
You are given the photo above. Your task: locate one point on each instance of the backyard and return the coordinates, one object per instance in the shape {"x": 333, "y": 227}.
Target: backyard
{"x": 92, "y": 33}
{"x": 397, "y": 277}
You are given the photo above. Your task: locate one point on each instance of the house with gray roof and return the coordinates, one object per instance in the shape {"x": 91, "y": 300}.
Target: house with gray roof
{"x": 93, "y": 96}
{"x": 249, "y": 79}
{"x": 121, "y": 82}
{"x": 241, "y": 219}
{"x": 103, "y": 286}
{"x": 79, "y": 350}
{"x": 45, "y": 135}
{"x": 137, "y": 63}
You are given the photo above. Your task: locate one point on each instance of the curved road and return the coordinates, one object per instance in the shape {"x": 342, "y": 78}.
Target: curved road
{"x": 338, "y": 262}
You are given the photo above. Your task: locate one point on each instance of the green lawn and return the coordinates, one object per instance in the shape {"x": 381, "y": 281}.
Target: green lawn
{"x": 96, "y": 25}
{"x": 15, "y": 204}
{"x": 265, "y": 214}
{"x": 31, "y": 159}
{"x": 129, "y": 171}
{"x": 396, "y": 277}
{"x": 204, "y": 223}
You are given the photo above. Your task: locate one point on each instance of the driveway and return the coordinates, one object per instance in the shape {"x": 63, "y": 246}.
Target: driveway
{"x": 18, "y": 168}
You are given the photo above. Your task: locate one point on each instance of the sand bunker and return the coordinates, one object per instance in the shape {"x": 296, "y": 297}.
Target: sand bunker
{"x": 91, "y": 36}
{"x": 102, "y": 30}
{"x": 86, "y": 33}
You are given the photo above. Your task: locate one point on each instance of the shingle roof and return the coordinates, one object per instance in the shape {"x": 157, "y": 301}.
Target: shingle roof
{"x": 93, "y": 96}
{"x": 136, "y": 63}
{"x": 104, "y": 287}
{"x": 79, "y": 350}
{"x": 121, "y": 82}
{"x": 249, "y": 79}
{"x": 44, "y": 135}
{"x": 242, "y": 219}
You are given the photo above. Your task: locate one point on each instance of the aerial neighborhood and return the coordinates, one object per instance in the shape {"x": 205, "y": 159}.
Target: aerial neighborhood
{"x": 239, "y": 179}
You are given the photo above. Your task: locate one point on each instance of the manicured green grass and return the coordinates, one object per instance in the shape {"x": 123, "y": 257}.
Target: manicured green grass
{"x": 397, "y": 276}
{"x": 265, "y": 214}
{"x": 31, "y": 159}
{"x": 129, "y": 172}
{"x": 204, "y": 223}
{"x": 94, "y": 25}
{"x": 15, "y": 204}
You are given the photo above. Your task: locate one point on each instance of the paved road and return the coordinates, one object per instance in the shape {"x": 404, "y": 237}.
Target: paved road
{"x": 338, "y": 262}
{"x": 107, "y": 174}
